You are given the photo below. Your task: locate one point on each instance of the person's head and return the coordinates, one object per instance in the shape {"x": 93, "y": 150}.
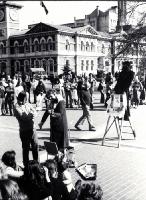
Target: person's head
{"x": 34, "y": 172}
{"x": 126, "y": 66}
{"x": 90, "y": 191}
{"x": 21, "y": 97}
{"x": 9, "y": 190}
{"x": 8, "y": 158}
{"x": 52, "y": 168}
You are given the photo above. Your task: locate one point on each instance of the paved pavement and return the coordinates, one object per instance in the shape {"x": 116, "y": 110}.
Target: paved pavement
{"x": 120, "y": 171}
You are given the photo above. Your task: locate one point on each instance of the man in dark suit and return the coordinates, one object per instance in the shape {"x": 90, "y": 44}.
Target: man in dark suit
{"x": 85, "y": 99}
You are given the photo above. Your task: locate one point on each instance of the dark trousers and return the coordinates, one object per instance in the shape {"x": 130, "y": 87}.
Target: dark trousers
{"x": 68, "y": 98}
{"x": 9, "y": 103}
{"x": 29, "y": 138}
{"x": 45, "y": 116}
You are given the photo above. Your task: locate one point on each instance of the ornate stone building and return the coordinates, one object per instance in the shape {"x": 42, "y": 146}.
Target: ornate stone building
{"x": 52, "y": 47}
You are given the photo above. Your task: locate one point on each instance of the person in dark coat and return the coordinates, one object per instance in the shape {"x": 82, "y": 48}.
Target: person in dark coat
{"x": 58, "y": 122}
{"x": 123, "y": 83}
{"x": 85, "y": 102}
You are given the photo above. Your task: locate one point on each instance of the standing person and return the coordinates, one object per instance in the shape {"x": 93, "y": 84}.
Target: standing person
{"x": 25, "y": 115}
{"x": 40, "y": 93}
{"x": 91, "y": 89}
{"x": 123, "y": 83}
{"x": 18, "y": 88}
{"x": 34, "y": 84}
{"x": 2, "y": 97}
{"x": 85, "y": 102}
{"x": 67, "y": 88}
{"x": 101, "y": 90}
{"x": 9, "y": 97}
{"x": 58, "y": 122}
{"x": 28, "y": 86}
{"x": 49, "y": 107}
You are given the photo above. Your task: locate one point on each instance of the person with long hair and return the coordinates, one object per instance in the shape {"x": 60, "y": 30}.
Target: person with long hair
{"x": 9, "y": 190}
{"x": 36, "y": 182}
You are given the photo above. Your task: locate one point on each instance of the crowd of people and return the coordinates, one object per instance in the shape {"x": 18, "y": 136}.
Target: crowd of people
{"x": 52, "y": 180}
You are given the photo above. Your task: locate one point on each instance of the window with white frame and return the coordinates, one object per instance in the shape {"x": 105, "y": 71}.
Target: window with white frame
{"x": 44, "y": 64}
{"x": 37, "y": 63}
{"x": 87, "y": 46}
{"x": 36, "y": 45}
{"x": 26, "y": 46}
{"x": 103, "y": 48}
{"x": 17, "y": 66}
{"x": 1, "y": 48}
{"x": 43, "y": 44}
{"x": 67, "y": 45}
{"x": 16, "y": 47}
{"x": 51, "y": 65}
{"x": 87, "y": 65}
{"x": 92, "y": 65}
{"x": 92, "y": 47}
{"x": 26, "y": 66}
{"x": 82, "y": 46}
{"x": 50, "y": 44}
{"x": 82, "y": 65}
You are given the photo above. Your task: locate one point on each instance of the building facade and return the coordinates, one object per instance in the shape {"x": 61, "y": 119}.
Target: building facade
{"x": 99, "y": 20}
{"x": 52, "y": 47}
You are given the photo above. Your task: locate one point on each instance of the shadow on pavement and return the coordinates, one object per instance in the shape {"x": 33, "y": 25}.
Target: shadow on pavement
{"x": 43, "y": 129}
{"x": 44, "y": 138}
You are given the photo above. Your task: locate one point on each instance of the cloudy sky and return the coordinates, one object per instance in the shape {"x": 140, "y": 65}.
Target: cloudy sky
{"x": 59, "y": 11}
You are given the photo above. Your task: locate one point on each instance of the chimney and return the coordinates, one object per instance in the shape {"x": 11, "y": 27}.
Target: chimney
{"x": 97, "y": 10}
{"x": 75, "y": 23}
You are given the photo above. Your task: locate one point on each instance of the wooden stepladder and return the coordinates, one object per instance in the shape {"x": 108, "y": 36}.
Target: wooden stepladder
{"x": 119, "y": 128}
{"x": 116, "y": 110}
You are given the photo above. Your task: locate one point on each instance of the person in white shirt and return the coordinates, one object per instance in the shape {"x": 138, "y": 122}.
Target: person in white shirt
{"x": 25, "y": 114}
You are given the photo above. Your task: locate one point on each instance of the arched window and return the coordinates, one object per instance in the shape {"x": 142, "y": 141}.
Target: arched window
{"x": 16, "y": 47}
{"x": 87, "y": 46}
{"x": 17, "y": 66}
{"x": 1, "y": 48}
{"x": 36, "y": 45}
{"x": 26, "y": 46}
{"x": 67, "y": 45}
{"x": 36, "y": 63}
{"x": 26, "y": 66}
{"x": 50, "y": 44}
{"x": 44, "y": 64}
{"x": 51, "y": 66}
{"x": 82, "y": 46}
{"x": 43, "y": 44}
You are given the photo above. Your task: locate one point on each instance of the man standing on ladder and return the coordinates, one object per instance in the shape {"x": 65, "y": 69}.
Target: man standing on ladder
{"x": 123, "y": 83}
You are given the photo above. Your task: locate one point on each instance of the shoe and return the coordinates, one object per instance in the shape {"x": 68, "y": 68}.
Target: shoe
{"x": 77, "y": 128}
{"x": 92, "y": 128}
{"x": 40, "y": 125}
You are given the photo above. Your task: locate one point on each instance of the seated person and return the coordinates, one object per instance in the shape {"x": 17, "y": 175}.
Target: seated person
{"x": 65, "y": 176}
{"x": 13, "y": 170}
{"x": 36, "y": 183}
{"x": 59, "y": 190}
{"x": 88, "y": 191}
{"x": 9, "y": 190}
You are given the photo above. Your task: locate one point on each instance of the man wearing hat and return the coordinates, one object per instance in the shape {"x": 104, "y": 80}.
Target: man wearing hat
{"x": 25, "y": 114}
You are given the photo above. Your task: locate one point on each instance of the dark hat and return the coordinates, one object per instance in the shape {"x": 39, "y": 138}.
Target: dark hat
{"x": 21, "y": 96}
